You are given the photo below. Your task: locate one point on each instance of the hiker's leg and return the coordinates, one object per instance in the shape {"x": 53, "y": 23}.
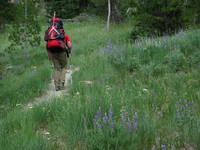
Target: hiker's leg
{"x": 63, "y": 63}
{"x": 57, "y": 81}
{"x": 49, "y": 55}
{"x": 57, "y": 70}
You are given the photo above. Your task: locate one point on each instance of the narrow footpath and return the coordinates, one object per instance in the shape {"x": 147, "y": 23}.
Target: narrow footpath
{"x": 51, "y": 93}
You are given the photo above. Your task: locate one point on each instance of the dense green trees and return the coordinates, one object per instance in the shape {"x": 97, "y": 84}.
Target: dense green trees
{"x": 154, "y": 17}
{"x": 72, "y": 8}
{"x": 160, "y": 16}
{"x": 7, "y": 12}
{"x": 147, "y": 16}
{"x": 65, "y": 9}
{"x": 165, "y": 16}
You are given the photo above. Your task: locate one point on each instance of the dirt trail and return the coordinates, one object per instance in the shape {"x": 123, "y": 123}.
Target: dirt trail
{"x": 50, "y": 94}
{"x": 47, "y": 96}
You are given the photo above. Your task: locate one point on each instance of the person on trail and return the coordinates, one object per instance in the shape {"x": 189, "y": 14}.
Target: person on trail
{"x": 58, "y": 44}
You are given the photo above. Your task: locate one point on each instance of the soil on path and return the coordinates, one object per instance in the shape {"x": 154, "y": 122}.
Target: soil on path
{"x": 51, "y": 93}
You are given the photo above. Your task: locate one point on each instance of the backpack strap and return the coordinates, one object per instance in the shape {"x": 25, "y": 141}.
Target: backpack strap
{"x": 54, "y": 29}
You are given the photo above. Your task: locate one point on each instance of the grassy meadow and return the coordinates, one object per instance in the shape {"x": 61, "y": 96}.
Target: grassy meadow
{"x": 141, "y": 95}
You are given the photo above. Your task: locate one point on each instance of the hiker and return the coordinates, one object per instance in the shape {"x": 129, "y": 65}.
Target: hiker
{"x": 58, "y": 45}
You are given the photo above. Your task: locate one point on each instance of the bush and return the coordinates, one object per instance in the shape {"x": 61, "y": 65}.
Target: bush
{"x": 138, "y": 32}
{"x": 176, "y": 60}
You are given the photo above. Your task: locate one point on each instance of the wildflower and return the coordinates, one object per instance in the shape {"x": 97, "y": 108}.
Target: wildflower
{"x": 98, "y": 114}
{"x": 163, "y": 147}
{"x": 145, "y": 90}
{"x": 46, "y": 133}
{"x": 190, "y": 103}
{"x": 123, "y": 116}
{"x": 112, "y": 125}
{"x": 129, "y": 125}
{"x": 110, "y": 113}
{"x": 135, "y": 116}
{"x": 135, "y": 120}
{"x": 98, "y": 126}
{"x": 105, "y": 119}
{"x": 97, "y": 118}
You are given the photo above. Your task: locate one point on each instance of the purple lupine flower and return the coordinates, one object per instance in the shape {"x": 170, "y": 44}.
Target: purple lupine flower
{"x": 110, "y": 113}
{"x": 98, "y": 114}
{"x": 129, "y": 125}
{"x": 135, "y": 125}
{"x": 98, "y": 125}
{"x": 123, "y": 116}
{"x": 97, "y": 118}
{"x": 105, "y": 119}
{"x": 163, "y": 147}
{"x": 135, "y": 120}
{"x": 135, "y": 116}
{"x": 112, "y": 124}
{"x": 190, "y": 103}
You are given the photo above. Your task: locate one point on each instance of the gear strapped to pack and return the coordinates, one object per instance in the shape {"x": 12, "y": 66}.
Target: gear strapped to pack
{"x": 56, "y": 30}
{"x": 55, "y": 34}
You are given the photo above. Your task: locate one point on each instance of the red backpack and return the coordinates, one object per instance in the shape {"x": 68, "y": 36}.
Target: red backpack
{"x": 55, "y": 34}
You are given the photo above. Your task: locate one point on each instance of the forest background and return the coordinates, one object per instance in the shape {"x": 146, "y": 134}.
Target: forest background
{"x": 147, "y": 17}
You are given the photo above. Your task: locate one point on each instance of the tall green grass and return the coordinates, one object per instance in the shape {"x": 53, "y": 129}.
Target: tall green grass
{"x": 21, "y": 80}
{"x": 157, "y": 79}
{"x": 151, "y": 87}
{"x": 24, "y": 80}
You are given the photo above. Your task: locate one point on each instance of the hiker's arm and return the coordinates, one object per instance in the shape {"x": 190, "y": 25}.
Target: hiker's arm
{"x": 68, "y": 41}
{"x": 69, "y": 44}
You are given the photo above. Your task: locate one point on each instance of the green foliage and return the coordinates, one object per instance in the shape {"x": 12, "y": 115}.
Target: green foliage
{"x": 157, "y": 78}
{"x": 19, "y": 84}
{"x": 18, "y": 133}
{"x": 140, "y": 78}
{"x": 176, "y": 60}
{"x": 139, "y": 32}
{"x": 180, "y": 55}
{"x": 7, "y": 12}
{"x": 22, "y": 81}
{"x": 160, "y": 17}
{"x": 25, "y": 32}
{"x": 64, "y": 9}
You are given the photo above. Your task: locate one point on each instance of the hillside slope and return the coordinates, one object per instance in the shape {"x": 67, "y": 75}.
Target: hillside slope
{"x": 142, "y": 95}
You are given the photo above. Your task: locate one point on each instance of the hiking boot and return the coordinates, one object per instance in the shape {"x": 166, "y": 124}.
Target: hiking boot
{"x": 57, "y": 88}
{"x": 62, "y": 87}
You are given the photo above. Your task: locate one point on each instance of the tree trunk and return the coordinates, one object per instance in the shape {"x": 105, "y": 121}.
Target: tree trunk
{"x": 109, "y": 12}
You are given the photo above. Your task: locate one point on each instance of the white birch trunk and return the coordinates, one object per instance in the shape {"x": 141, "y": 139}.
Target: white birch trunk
{"x": 109, "y": 12}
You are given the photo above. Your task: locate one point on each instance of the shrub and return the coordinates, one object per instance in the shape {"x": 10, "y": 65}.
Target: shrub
{"x": 138, "y": 32}
{"x": 176, "y": 60}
